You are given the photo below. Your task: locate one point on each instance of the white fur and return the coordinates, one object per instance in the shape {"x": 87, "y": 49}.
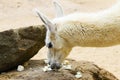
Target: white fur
{"x": 99, "y": 29}
{"x": 91, "y": 17}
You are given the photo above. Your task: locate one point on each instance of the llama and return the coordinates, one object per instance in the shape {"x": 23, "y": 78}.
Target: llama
{"x": 99, "y": 29}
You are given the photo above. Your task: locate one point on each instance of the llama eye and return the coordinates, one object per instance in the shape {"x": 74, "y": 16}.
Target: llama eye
{"x": 49, "y": 45}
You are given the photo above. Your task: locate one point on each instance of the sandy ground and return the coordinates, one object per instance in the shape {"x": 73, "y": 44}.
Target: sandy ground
{"x": 19, "y": 13}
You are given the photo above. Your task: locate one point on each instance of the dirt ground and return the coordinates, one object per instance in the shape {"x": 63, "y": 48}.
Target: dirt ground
{"x": 19, "y": 13}
{"x": 34, "y": 71}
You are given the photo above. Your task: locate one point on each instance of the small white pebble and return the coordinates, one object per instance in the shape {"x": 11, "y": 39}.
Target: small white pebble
{"x": 20, "y": 68}
{"x": 44, "y": 69}
{"x": 47, "y": 68}
{"x": 48, "y": 65}
{"x": 66, "y": 65}
{"x": 78, "y": 75}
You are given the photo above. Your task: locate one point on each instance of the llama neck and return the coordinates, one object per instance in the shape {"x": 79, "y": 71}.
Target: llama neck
{"x": 91, "y": 35}
{"x": 91, "y": 29}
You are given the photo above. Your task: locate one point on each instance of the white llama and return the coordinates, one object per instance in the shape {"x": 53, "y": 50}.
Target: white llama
{"x": 99, "y": 29}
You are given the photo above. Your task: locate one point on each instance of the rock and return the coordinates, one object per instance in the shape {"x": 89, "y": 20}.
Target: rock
{"x": 19, "y": 45}
{"x": 33, "y": 71}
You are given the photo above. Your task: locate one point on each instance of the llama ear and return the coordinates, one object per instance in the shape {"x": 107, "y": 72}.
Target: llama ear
{"x": 48, "y": 24}
{"x": 58, "y": 9}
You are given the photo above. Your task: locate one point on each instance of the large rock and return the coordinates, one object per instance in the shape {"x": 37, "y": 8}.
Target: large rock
{"x": 33, "y": 71}
{"x": 19, "y": 45}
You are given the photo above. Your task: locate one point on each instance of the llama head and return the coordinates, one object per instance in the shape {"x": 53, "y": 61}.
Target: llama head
{"x": 57, "y": 50}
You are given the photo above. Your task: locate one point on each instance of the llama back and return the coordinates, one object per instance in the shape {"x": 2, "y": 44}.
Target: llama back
{"x": 113, "y": 12}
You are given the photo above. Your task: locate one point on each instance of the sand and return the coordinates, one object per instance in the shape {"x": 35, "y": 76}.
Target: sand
{"x": 19, "y": 13}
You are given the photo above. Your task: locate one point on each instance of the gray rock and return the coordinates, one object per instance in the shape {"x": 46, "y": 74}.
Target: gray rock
{"x": 19, "y": 45}
{"x": 33, "y": 71}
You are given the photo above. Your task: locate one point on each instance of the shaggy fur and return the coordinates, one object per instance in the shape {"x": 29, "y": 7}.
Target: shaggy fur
{"x": 99, "y": 29}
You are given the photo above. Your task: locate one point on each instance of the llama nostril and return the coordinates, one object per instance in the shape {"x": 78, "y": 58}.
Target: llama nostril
{"x": 58, "y": 67}
{"x": 55, "y": 66}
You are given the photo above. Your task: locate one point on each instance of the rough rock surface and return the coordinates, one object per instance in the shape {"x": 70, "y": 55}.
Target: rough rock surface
{"x": 19, "y": 45}
{"x": 33, "y": 71}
